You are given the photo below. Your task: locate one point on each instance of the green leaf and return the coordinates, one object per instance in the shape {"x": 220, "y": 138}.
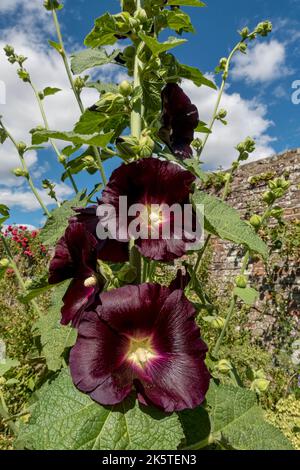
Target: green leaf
{"x": 107, "y": 28}
{"x": 58, "y": 222}
{"x": 89, "y": 122}
{"x": 179, "y": 21}
{"x": 65, "y": 419}
{"x": 223, "y": 221}
{"x": 100, "y": 140}
{"x": 4, "y": 213}
{"x": 187, "y": 3}
{"x": 55, "y": 46}
{"x": 103, "y": 87}
{"x": 202, "y": 128}
{"x": 248, "y": 294}
{"x": 196, "y": 425}
{"x": 48, "y": 91}
{"x": 195, "y": 75}
{"x": 193, "y": 165}
{"x": 3, "y": 136}
{"x": 37, "y": 287}
{"x": 54, "y": 337}
{"x": 238, "y": 421}
{"x": 157, "y": 47}
{"x": 89, "y": 58}
{"x": 7, "y": 365}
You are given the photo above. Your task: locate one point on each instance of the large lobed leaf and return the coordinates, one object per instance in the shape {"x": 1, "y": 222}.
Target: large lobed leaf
{"x": 222, "y": 220}
{"x": 238, "y": 421}
{"x": 63, "y": 418}
{"x": 100, "y": 140}
{"x": 89, "y": 58}
{"x": 58, "y": 222}
{"x": 54, "y": 337}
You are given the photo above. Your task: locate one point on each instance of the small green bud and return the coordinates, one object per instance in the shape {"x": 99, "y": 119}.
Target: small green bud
{"x": 241, "y": 281}
{"x": 241, "y": 147}
{"x": 277, "y": 212}
{"x": 125, "y": 88}
{"x": 89, "y": 161}
{"x": 235, "y": 165}
{"x": 224, "y": 366}
{"x": 244, "y": 32}
{"x": 62, "y": 159}
{"x": 2, "y": 381}
{"x": 243, "y": 47}
{"x": 22, "y": 147}
{"x": 4, "y": 263}
{"x": 243, "y": 156}
{"x": 21, "y": 59}
{"x": 197, "y": 144}
{"x": 52, "y": 5}
{"x": 28, "y": 283}
{"x": 127, "y": 147}
{"x": 146, "y": 146}
{"x": 222, "y": 114}
{"x": 20, "y": 172}
{"x": 9, "y": 50}
{"x": 264, "y": 28}
{"x": 260, "y": 385}
{"x": 226, "y": 177}
{"x": 79, "y": 83}
{"x": 12, "y": 59}
{"x": 24, "y": 75}
{"x": 41, "y": 95}
{"x": 223, "y": 63}
{"x": 141, "y": 15}
{"x": 127, "y": 274}
{"x": 268, "y": 197}
{"x": 255, "y": 221}
{"x": 217, "y": 323}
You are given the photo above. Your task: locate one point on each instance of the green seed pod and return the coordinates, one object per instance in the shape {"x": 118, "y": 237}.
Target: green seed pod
{"x": 217, "y": 323}
{"x": 268, "y": 197}
{"x": 244, "y": 32}
{"x": 243, "y": 47}
{"x": 22, "y": 147}
{"x": 241, "y": 281}
{"x": 20, "y": 172}
{"x": 260, "y": 385}
{"x": 125, "y": 88}
{"x": 224, "y": 366}
{"x": 146, "y": 146}
{"x": 4, "y": 263}
{"x": 255, "y": 221}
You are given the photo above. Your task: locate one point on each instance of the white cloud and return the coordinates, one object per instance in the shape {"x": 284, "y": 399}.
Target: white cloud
{"x": 264, "y": 62}
{"x": 26, "y": 201}
{"x": 245, "y": 118}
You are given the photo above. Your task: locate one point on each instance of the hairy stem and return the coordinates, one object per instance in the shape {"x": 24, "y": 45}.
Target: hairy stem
{"x": 54, "y": 146}
{"x": 76, "y": 93}
{"x": 25, "y": 168}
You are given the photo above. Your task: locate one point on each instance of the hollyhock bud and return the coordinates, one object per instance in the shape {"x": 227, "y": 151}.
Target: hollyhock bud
{"x": 241, "y": 281}
{"x": 125, "y": 88}
{"x": 223, "y": 366}
{"x": 62, "y": 159}
{"x": 146, "y": 146}
{"x": 145, "y": 339}
{"x": 223, "y": 63}
{"x": 268, "y": 197}
{"x": 244, "y": 32}
{"x": 23, "y": 75}
{"x": 141, "y": 15}
{"x": 9, "y": 50}
{"x": 19, "y": 172}
{"x": 218, "y": 322}
{"x": 243, "y": 47}
{"x": 4, "y": 263}
{"x": 260, "y": 385}
{"x": 255, "y": 221}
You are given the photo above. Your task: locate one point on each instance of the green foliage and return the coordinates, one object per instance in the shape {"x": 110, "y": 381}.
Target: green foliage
{"x": 157, "y": 47}
{"x": 247, "y": 294}
{"x": 54, "y": 337}
{"x": 57, "y": 223}
{"x": 225, "y": 222}
{"x": 7, "y": 365}
{"x": 65, "y": 419}
{"x": 89, "y": 58}
{"x": 48, "y": 91}
{"x": 239, "y": 423}
{"x": 101, "y": 140}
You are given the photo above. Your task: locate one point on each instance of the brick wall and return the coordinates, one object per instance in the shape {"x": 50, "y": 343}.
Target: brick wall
{"x": 227, "y": 257}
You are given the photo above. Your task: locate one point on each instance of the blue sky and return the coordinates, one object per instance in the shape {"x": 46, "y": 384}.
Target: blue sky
{"x": 258, "y": 96}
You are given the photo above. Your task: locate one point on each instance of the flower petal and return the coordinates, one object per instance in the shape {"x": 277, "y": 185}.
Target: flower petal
{"x": 76, "y": 299}
{"x": 95, "y": 362}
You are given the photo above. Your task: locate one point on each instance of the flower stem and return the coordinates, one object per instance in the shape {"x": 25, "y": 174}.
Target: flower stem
{"x": 18, "y": 274}
{"x": 25, "y": 168}
{"x": 76, "y": 93}
{"x": 54, "y": 146}
{"x": 5, "y": 415}
{"x": 201, "y": 444}
{"x": 221, "y": 91}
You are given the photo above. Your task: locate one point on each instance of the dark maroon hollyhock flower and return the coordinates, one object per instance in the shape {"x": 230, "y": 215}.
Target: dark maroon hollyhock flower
{"x": 179, "y": 120}
{"x": 145, "y": 338}
{"x": 181, "y": 280}
{"x": 150, "y": 182}
{"x": 75, "y": 258}
{"x": 110, "y": 250}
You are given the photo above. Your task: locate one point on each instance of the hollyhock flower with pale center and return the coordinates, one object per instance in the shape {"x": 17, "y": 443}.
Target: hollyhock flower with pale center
{"x": 75, "y": 258}
{"x": 141, "y": 338}
{"x": 157, "y": 186}
{"x": 179, "y": 120}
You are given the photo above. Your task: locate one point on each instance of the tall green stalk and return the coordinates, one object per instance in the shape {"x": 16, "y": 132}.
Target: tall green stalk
{"x": 76, "y": 93}
{"x": 26, "y": 171}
